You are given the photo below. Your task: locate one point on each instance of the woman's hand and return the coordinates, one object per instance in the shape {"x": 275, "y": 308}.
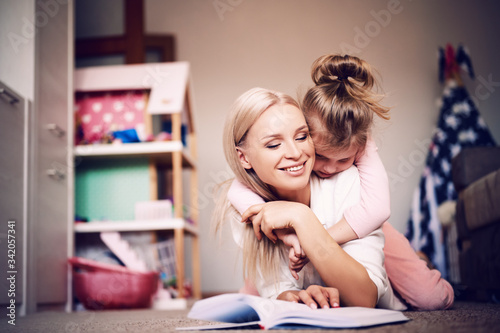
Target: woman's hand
{"x": 314, "y": 296}
{"x": 275, "y": 215}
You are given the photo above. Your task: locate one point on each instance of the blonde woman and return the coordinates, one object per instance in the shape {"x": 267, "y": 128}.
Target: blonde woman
{"x": 268, "y": 146}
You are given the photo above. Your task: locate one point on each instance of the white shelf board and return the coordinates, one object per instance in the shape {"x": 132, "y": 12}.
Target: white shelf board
{"x": 149, "y": 149}
{"x": 135, "y": 225}
{"x": 138, "y": 148}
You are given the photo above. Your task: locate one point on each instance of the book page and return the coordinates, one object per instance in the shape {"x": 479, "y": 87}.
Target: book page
{"x": 347, "y": 317}
{"x": 253, "y": 310}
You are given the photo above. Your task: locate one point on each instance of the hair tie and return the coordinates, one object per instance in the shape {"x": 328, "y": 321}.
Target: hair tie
{"x": 338, "y": 78}
{"x": 343, "y": 78}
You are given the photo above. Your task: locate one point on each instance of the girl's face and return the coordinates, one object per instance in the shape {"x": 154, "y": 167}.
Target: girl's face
{"x": 329, "y": 161}
{"x": 279, "y": 149}
{"x": 332, "y": 161}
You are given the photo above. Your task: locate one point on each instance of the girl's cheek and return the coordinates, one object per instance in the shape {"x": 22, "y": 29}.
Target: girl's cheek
{"x": 317, "y": 165}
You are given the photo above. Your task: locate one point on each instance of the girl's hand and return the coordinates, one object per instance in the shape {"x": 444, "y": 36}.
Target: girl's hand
{"x": 297, "y": 256}
{"x": 275, "y": 215}
{"x": 314, "y": 296}
{"x": 296, "y": 262}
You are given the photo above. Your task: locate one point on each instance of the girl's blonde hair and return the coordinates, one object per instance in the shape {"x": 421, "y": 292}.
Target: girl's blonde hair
{"x": 243, "y": 114}
{"x": 342, "y": 101}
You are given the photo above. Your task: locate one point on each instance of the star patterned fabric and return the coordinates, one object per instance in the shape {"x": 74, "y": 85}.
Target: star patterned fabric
{"x": 460, "y": 125}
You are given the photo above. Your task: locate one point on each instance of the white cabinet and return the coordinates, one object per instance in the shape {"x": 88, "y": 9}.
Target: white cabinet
{"x": 36, "y": 179}
{"x": 54, "y": 165}
{"x": 14, "y": 111}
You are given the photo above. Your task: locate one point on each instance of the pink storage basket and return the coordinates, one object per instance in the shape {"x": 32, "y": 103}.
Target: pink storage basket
{"x": 100, "y": 286}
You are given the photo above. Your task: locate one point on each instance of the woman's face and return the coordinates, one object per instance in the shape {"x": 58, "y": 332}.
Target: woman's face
{"x": 279, "y": 149}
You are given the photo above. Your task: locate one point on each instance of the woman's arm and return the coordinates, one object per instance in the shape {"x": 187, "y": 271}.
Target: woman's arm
{"x": 336, "y": 268}
{"x": 374, "y": 208}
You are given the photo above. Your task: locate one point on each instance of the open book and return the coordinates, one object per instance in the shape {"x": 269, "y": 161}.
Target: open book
{"x": 246, "y": 311}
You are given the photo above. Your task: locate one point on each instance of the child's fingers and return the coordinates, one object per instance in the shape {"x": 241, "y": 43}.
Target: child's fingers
{"x": 296, "y": 263}
{"x": 291, "y": 255}
{"x": 291, "y": 265}
{"x": 298, "y": 266}
{"x": 295, "y": 252}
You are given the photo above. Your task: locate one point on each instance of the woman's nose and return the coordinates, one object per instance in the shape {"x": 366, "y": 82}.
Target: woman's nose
{"x": 293, "y": 151}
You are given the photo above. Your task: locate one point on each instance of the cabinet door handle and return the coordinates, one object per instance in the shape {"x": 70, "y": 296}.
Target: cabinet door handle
{"x": 12, "y": 98}
{"x": 56, "y": 130}
{"x": 55, "y": 174}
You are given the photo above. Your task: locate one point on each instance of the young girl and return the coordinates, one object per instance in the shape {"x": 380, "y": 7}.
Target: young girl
{"x": 268, "y": 147}
{"x": 339, "y": 110}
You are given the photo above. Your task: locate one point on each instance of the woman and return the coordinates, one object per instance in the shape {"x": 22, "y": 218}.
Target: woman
{"x": 268, "y": 147}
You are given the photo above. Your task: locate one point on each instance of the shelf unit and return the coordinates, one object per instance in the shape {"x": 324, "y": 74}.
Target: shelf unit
{"x": 169, "y": 95}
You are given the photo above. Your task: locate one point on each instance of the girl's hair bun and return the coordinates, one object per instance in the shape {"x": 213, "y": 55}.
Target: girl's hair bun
{"x": 343, "y": 100}
{"x": 338, "y": 69}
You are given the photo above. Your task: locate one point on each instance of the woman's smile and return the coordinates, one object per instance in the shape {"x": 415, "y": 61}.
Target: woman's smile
{"x": 295, "y": 170}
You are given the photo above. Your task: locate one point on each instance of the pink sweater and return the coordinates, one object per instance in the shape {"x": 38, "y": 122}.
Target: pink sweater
{"x": 370, "y": 213}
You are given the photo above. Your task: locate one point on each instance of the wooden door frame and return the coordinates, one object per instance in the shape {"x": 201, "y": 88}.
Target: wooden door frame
{"x": 133, "y": 44}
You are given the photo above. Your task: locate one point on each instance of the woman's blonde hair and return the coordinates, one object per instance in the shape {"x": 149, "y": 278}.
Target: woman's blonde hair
{"x": 342, "y": 101}
{"x": 243, "y": 114}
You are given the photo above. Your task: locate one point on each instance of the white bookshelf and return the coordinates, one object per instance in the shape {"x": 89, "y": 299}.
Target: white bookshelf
{"x": 168, "y": 97}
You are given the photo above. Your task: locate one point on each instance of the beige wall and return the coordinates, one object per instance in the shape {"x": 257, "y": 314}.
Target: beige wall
{"x": 272, "y": 44}
{"x": 17, "y": 46}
